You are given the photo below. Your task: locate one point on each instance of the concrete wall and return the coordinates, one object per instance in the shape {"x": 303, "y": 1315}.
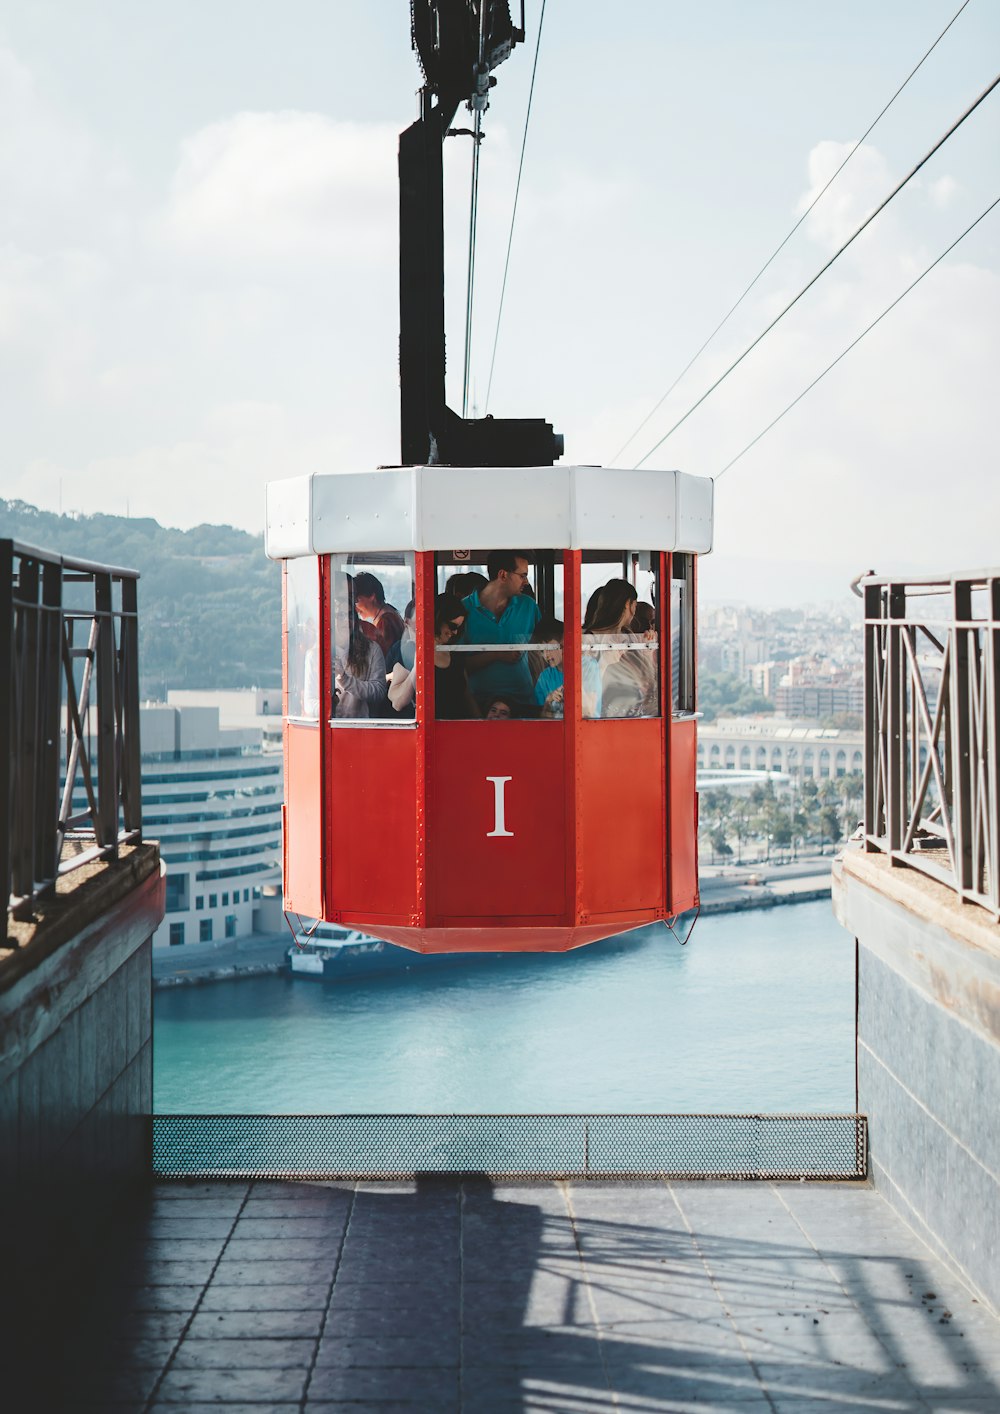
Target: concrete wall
{"x": 76, "y": 1052}
{"x": 929, "y": 1057}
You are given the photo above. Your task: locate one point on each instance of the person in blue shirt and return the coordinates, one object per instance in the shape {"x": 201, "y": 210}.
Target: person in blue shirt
{"x": 501, "y": 613}
{"x": 550, "y": 685}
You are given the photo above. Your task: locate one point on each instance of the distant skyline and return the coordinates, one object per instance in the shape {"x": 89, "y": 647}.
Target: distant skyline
{"x": 198, "y": 261}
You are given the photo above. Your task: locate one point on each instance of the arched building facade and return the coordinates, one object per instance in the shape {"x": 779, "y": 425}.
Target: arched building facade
{"x": 795, "y": 748}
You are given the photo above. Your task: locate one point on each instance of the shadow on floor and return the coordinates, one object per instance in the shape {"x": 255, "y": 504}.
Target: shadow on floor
{"x": 455, "y": 1294}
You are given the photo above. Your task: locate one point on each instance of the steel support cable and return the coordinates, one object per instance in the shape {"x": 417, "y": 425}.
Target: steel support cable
{"x": 513, "y": 214}
{"x": 471, "y": 277}
{"x": 854, "y": 343}
{"x": 822, "y": 271}
{"x": 770, "y": 260}
{"x": 477, "y": 137}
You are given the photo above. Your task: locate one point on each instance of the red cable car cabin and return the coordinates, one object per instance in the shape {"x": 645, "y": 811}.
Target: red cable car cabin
{"x": 536, "y": 832}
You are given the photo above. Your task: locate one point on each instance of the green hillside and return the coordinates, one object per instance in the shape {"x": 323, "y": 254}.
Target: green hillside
{"x": 209, "y": 599}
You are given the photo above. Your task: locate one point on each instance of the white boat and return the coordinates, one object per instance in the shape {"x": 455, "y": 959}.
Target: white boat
{"x": 331, "y": 952}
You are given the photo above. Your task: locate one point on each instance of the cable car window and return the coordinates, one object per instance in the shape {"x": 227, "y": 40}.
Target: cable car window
{"x": 498, "y": 629}
{"x": 373, "y": 637}
{"x": 302, "y": 645}
{"x": 620, "y": 666}
{"x": 682, "y": 634}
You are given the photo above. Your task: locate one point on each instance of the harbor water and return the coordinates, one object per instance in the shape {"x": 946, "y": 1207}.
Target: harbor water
{"x": 755, "y": 1014}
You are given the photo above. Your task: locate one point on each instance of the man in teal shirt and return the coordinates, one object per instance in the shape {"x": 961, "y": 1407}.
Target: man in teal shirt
{"x": 501, "y": 613}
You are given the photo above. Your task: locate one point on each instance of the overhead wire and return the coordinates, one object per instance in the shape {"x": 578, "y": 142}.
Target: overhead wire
{"x": 513, "y": 215}
{"x": 777, "y": 251}
{"x": 477, "y": 137}
{"x": 822, "y": 271}
{"x": 854, "y": 343}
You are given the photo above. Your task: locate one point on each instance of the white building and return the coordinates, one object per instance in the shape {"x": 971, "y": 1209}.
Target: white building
{"x": 212, "y": 795}
{"x": 798, "y": 749}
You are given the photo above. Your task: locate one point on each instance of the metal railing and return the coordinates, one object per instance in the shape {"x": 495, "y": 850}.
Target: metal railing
{"x": 69, "y": 718}
{"x": 625, "y": 1146}
{"x": 932, "y": 728}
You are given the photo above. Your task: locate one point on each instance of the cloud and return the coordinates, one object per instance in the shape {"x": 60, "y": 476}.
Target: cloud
{"x": 177, "y": 341}
{"x": 215, "y": 471}
{"x": 264, "y": 188}
{"x": 864, "y": 182}
{"x": 943, "y": 192}
{"x": 882, "y": 463}
{"x": 148, "y": 335}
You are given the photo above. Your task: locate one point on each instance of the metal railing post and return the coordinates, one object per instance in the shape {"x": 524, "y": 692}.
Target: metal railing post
{"x": 895, "y": 709}
{"x": 6, "y": 714}
{"x": 992, "y": 668}
{"x": 874, "y": 676}
{"x": 961, "y": 697}
{"x": 27, "y": 864}
{"x": 50, "y": 700}
{"x": 104, "y": 672}
{"x": 131, "y": 756}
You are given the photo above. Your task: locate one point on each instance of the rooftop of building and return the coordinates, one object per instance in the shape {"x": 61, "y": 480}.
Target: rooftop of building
{"x": 780, "y": 729}
{"x": 212, "y": 723}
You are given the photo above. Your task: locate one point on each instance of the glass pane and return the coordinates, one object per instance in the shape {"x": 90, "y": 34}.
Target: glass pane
{"x": 681, "y": 636}
{"x": 373, "y": 637}
{"x": 302, "y": 617}
{"x": 489, "y": 604}
{"x": 619, "y": 666}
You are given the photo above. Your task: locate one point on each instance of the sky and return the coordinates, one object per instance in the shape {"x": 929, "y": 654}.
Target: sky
{"x": 198, "y": 261}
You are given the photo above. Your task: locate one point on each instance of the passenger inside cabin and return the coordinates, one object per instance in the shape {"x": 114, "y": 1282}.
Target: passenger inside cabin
{"x": 359, "y": 684}
{"x": 452, "y": 697}
{"x": 547, "y": 630}
{"x": 550, "y": 685}
{"x": 380, "y": 621}
{"x": 550, "y": 682}
{"x": 501, "y": 709}
{"x": 627, "y": 674}
{"x": 501, "y": 613}
{"x": 644, "y": 621}
{"x": 404, "y": 650}
{"x": 465, "y": 582}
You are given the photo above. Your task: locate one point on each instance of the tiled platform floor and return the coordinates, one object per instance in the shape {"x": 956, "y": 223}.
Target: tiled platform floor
{"x": 461, "y": 1295}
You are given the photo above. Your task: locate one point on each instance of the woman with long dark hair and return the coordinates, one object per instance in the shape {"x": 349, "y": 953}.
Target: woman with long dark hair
{"x": 610, "y": 608}
{"x": 359, "y": 685}
{"x": 628, "y": 675}
{"x": 451, "y": 686}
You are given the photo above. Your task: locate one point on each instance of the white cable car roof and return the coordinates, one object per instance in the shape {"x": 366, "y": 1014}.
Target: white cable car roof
{"x": 452, "y": 508}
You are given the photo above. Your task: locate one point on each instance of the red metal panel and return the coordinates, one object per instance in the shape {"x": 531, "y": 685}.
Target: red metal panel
{"x": 683, "y": 816}
{"x": 500, "y": 937}
{"x": 371, "y": 822}
{"x": 621, "y": 816}
{"x": 303, "y": 821}
{"x": 665, "y": 629}
{"x": 483, "y": 779}
{"x": 424, "y": 591}
{"x": 573, "y": 711}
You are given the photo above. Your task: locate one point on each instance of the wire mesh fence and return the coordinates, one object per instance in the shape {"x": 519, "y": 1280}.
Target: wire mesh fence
{"x": 678, "y": 1146}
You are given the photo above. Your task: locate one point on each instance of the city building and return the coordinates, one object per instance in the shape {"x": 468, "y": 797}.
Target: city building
{"x": 796, "y": 748}
{"x": 212, "y": 789}
{"x": 820, "y": 699}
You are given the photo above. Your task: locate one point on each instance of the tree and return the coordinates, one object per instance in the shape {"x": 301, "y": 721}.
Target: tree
{"x": 209, "y": 599}
{"x": 725, "y": 695}
{"x": 741, "y": 816}
{"x": 716, "y": 814}
{"x": 720, "y": 845}
{"x": 829, "y": 823}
